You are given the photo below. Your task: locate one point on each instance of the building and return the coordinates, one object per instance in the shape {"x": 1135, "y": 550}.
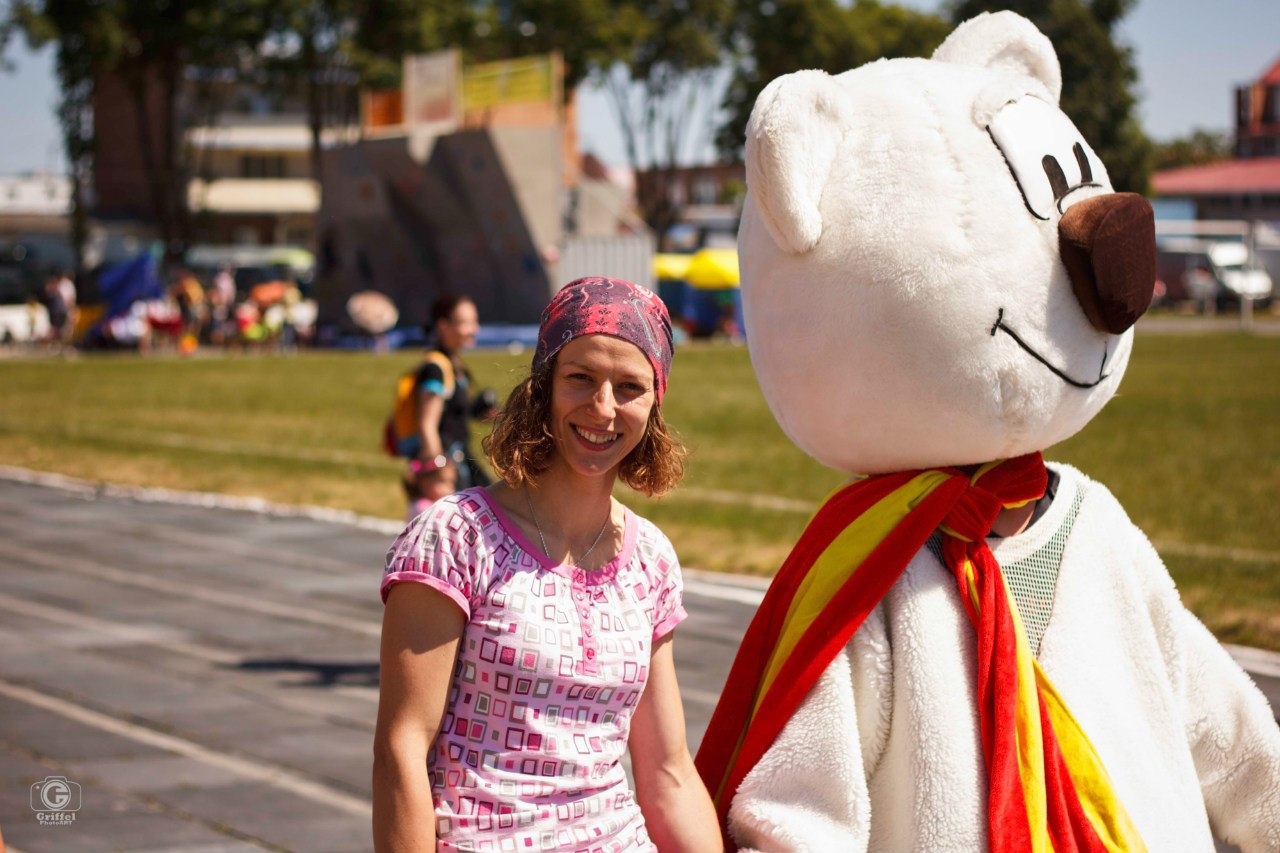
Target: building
{"x": 1258, "y": 116}
{"x": 1247, "y": 187}
{"x": 245, "y": 158}
{"x": 35, "y": 219}
{"x": 468, "y": 180}
{"x": 37, "y": 203}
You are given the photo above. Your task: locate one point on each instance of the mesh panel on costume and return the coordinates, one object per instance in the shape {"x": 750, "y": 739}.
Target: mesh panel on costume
{"x": 1033, "y": 578}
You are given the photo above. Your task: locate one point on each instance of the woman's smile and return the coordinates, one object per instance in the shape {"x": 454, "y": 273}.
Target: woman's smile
{"x": 596, "y": 439}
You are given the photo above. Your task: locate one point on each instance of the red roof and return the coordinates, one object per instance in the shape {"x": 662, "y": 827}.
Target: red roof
{"x": 1272, "y": 77}
{"x": 1229, "y": 177}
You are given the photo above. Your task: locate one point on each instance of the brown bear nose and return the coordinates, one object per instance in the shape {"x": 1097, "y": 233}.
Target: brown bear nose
{"x": 1108, "y": 244}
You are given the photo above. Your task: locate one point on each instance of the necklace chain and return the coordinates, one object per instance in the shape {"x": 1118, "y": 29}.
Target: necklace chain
{"x": 543, "y": 539}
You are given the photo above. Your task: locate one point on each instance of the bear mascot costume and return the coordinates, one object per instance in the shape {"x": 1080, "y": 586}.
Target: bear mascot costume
{"x": 967, "y": 649}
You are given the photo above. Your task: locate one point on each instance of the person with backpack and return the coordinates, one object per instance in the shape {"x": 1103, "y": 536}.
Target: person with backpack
{"x": 431, "y": 418}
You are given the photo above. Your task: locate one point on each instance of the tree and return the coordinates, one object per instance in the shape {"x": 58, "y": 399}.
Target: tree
{"x": 1098, "y": 77}
{"x": 149, "y": 46}
{"x": 662, "y": 86}
{"x": 778, "y": 37}
{"x": 1200, "y": 147}
{"x": 77, "y": 53}
{"x": 657, "y": 60}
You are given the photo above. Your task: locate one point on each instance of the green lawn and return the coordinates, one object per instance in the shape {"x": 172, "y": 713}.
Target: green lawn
{"x": 1191, "y": 446}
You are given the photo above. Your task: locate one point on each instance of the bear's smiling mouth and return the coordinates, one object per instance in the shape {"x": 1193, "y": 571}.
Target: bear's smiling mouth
{"x": 999, "y": 326}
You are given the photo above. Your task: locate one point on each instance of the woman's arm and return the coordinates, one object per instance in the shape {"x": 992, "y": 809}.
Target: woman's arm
{"x": 676, "y": 807}
{"x": 430, "y": 410}
{"x": 421, "y": 629}
{"x": 441, "y": 482}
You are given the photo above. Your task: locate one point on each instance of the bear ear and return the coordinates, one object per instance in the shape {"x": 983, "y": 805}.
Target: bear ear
{"x": 793, "y": 136}
{"x": 1004, "y": 41}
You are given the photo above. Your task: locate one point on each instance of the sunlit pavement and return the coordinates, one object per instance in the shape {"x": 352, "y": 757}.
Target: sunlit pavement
{"x": 190, "y": 679}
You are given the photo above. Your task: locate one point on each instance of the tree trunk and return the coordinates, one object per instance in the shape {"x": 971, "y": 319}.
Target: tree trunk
{"x": 137, "y": 81}
{"x": 315, "y": 94}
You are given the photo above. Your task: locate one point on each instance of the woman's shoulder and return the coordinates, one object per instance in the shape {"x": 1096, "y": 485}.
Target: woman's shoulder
{"x": 462, "y": 515}
{"x": 651, "y": 541}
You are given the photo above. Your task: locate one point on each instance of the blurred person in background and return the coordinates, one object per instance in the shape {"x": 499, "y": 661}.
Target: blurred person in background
{"x": 224, "y": 282}
{"x": 52, "y": 299}
{"x": 67, "y": 289}
{"x": 189, "y": 296}
{"x": 438, "y": 449}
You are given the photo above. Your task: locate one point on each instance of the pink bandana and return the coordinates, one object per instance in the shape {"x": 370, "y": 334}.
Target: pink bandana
{"x": 608, "y": 306}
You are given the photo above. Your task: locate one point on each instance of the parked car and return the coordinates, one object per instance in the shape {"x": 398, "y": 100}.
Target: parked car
{"x": 1203, "y": 270}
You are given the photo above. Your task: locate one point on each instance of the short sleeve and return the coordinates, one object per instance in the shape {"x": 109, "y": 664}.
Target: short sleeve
{"x": 431, "y": 379}
{"x": 441, "y": 548}
{"x": 668, "y": 585}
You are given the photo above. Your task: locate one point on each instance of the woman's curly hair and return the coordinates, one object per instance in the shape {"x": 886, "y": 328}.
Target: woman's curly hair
{"x": 520, "y": 446}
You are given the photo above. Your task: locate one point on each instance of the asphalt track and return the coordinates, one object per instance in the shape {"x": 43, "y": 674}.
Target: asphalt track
{"x": 207, "y": 676}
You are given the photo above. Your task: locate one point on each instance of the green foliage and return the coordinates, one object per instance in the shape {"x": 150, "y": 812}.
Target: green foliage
{"x": 1098, "y": 77}
{"x": 781, "y": 36}
{"x": 1200, "y": 147}
{"x": 656, "y": 59}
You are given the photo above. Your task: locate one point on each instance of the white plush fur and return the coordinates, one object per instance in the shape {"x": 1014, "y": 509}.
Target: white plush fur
{"x": 885, "y": 755}
{"x": 883, "y": 236}
{"x": 883, "y": 233}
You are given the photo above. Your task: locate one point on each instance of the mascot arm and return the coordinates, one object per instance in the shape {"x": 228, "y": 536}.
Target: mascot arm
{"x": 809, "y": 791}
{"x": 1230, "y": 729}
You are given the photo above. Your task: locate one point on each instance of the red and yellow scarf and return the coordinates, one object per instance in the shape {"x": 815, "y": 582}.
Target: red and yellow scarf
{"x": 1049, "y": 792}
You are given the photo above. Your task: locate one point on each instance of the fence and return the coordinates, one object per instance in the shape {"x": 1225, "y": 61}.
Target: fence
{"x": 627, "y": 257}
{"x": 1190, "y": 250}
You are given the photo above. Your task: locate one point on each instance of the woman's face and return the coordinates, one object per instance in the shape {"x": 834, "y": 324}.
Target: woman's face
{"x": 458, "y": 332}
{"x": 602, "y": 392}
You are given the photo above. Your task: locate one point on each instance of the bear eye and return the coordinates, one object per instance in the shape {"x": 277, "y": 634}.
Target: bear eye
{"x": 1044, "y": 152}
{"x": 1057, "y": 177}
{"x": 1082, "y": 160}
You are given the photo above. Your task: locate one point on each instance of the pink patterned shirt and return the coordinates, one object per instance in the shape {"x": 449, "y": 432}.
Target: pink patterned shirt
{"x": 550, "y": 668}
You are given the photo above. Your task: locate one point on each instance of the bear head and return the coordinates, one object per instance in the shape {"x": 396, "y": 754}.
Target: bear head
{"x": 936, "y": 270}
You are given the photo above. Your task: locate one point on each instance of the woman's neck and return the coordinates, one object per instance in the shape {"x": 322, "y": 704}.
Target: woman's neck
{"x": 573, "y": 504}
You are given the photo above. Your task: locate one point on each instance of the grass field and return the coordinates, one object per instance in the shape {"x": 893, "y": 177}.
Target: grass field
{"x": 1191, "y": 446}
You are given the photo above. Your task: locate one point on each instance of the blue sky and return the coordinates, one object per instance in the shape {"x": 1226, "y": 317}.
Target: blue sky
{"x": 1190, "y": 55}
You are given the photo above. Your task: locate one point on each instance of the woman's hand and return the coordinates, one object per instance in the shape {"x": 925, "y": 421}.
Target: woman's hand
{"x": 677, "y": 809}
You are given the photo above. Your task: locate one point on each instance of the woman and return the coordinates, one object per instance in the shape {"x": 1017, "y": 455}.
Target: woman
{"x": 526, "y": 642}
{"x": 438, "y": 450}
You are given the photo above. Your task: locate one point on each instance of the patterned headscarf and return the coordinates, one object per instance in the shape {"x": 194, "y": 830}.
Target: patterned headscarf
{"x": 608, "y": 306}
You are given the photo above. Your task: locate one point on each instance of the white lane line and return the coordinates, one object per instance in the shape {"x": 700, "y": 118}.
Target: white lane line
{"x": 90, "y": 490}
{"x": 174, "y": 441}
{"x": 1256, "y": 661}
{"x": 1216, "y": 552}
{"x": 392, "y": 527}
{"x": 724, "y": 592}
{"x": 770, "y": 502}
{"x": 163, "y": 637}
{"x": 185, "y": 589}
{"x": 258, "y": 771}
{"x": 736, "y": 588}
{"x": 160, "y": 636}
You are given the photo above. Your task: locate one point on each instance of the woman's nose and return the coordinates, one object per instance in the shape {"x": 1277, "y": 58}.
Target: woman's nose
{"x": 603, "y": 402}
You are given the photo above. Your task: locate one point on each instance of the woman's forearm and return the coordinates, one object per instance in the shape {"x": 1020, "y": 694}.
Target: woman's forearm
{"x": 677, "y": 810}
{"x": 404, "y": 819}
{"x": 430, "y": 411}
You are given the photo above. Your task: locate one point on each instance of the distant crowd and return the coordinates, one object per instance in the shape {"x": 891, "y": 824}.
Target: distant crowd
{"x": 181, "y": 316}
